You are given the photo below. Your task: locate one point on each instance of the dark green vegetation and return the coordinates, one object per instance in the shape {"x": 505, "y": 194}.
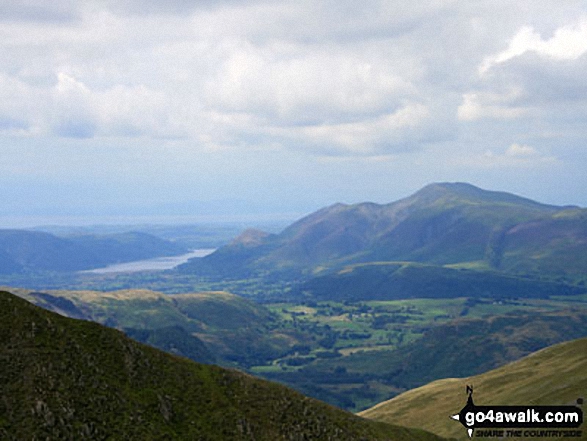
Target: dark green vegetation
{"x": 409, "y": 354}
{"x": 32, "y": 252}
{"x": 203, "y": 326}
{"x": 71, "y": 379}
{"x": 455, "y": 225}
{"x": 357, "y": 303}
{"x": 554, "y": 376}
{"x": 350, "y": 354}
{"x": 397, "y": 280}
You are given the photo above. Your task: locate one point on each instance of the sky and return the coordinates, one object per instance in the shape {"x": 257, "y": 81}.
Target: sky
{"x": 115, "y": 111}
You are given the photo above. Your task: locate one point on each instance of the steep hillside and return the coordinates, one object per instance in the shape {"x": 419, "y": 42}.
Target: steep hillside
{"x": 556, "y": 245}
{"x": 69, "y": 379}
{"x": 235, "y": 330}
{"x": 31, "y": 251}
{"x": 552, "y": 376}
{"x": 440, "y": 224}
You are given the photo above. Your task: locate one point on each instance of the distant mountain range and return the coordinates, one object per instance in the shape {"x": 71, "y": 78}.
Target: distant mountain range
{"x": 24, "y": 251}
{"x": 552, "y": 376}
{"x": 70, "y": 379}
{"x": 449, "y": 225}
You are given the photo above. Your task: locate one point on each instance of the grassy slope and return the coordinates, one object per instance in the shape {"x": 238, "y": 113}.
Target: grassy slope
{"x": 553, "y": 376}
{"x": 69, "y": 379}
{"x": 234, "y": 329}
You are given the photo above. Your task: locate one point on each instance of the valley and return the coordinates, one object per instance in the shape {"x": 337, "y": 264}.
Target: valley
{"x": 72, "y": 379}
{"x": 350, "y": 354}
{"x": 293, "y": 220}
{"x": 351, "y": 305}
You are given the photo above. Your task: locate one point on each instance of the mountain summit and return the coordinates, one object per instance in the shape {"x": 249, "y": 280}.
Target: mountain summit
{"x": 441, "y": 224}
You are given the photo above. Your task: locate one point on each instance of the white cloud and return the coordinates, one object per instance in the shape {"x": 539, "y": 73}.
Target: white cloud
{"x": 374, "y": 78}
{"x": 567, "y": 43}
{"x": 534, "y": 87}
{"x": 516, "y": 156}
{"x": 478, "y": 105}
{"x": 521, "y": 151}
{"x": 383, "y": 133}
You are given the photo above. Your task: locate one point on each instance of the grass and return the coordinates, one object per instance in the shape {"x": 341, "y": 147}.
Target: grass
{"x": 268, "y": 339}
{"x": 71, "y": 379}
{"x": 552, "y": 376}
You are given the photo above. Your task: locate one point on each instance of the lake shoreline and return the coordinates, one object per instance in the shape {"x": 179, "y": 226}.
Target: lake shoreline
{"x": 154, "y": 264}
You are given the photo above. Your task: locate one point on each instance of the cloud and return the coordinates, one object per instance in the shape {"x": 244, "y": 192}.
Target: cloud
{"x": 534, "y": 87}
{"x": 521, "y": 151}
{"x": 567, "y": 43}
{"x": 515, "y": 156}
{"x": 37, "y": 11}
{"x": 389, "y": 132}
{"x": 478, "y": 105}
{"x": 327, "y": 77}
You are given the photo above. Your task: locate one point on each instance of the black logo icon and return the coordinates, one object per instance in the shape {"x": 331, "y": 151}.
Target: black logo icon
{"x": 519, "y": 417}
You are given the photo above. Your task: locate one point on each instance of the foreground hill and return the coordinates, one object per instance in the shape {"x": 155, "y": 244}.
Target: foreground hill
{"x": 205, "y": 326}
{"x": 69, "y": 379}
{"x": 33, "y": 251}
{"x": 442, "y": 224}
{"x": 552, "y": 376}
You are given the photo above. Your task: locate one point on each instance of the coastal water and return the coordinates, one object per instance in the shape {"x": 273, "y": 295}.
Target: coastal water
{"x": 157, "y": 264}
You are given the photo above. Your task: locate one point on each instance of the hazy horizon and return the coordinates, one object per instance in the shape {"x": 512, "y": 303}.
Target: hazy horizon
{"x": 224, "y": 109}
{"x": 225, "y": 216}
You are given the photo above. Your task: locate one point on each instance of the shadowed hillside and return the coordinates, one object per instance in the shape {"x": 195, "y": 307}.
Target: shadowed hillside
{"x": 456, "y": 224}
{"x": 69, "y": 379}
{"x": 401, "y": 280}
{"x": 33, "y": 251}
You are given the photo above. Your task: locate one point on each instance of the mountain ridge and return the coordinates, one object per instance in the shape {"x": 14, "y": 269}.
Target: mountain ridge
{"x": 443, "y": 223}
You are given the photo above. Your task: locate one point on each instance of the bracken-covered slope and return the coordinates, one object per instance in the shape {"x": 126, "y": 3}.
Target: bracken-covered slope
{"x": 70, "y": 379}
{"x": 447, "y": 223}
{"x": 556, "y": 375}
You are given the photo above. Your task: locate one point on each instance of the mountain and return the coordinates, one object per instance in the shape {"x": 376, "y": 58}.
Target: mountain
{"x": 442, "y": 224}
{"x": 31, "y": 251}
{"x": 63, "y": 378}
{"x": 552, "y": 376}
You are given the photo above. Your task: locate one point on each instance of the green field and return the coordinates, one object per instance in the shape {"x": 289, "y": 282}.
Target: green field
{"x": 350, "y": 354}
{"x": 73, "y": 379}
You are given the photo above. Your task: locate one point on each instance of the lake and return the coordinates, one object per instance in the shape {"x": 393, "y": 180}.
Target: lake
{"x": 157, "y": 264}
